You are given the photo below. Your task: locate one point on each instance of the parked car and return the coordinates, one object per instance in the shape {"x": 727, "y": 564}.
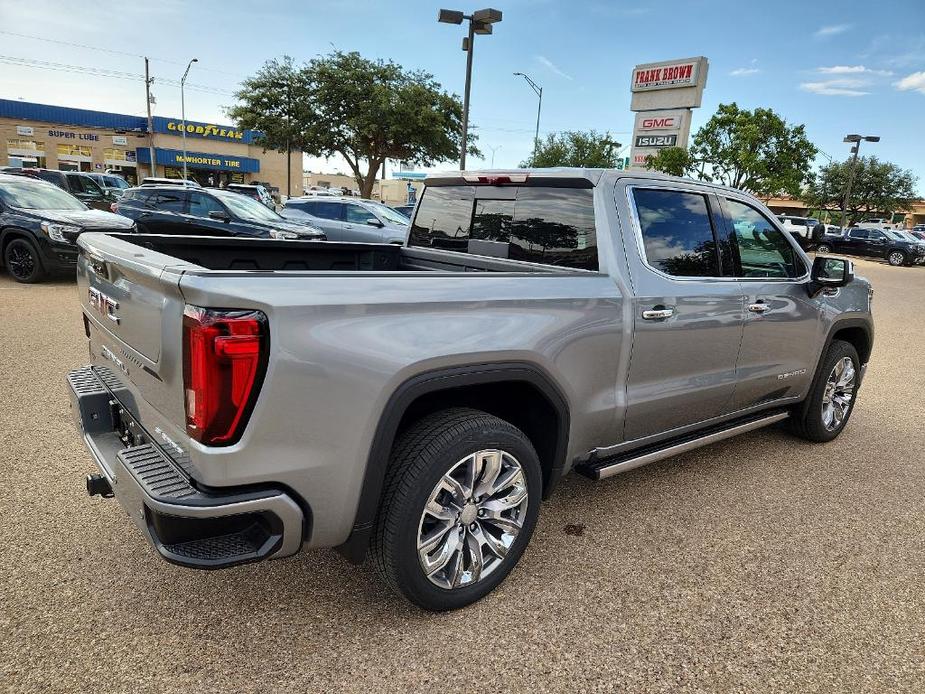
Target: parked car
{"x": 800, "y": 227}
{"x": 39, "y": 226}
{"x": 111, "y": 183}
{"x": 80, "y": 185}
{"x": 170, "y": 209}
{"x": 420, "y": 401}
{"x": 919, "y": 234}
{"x": 876, "y": 223}
{"x": 254, "y": 191}
{"x": 406, "y": 210}
{"x": 350, "y": 219}
{"x": 878, "y": 243}
{"x": 156, "y": 181}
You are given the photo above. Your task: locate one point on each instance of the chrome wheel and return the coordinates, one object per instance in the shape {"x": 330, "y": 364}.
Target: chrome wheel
{"x": 471, "y": 519}
{"x": 823, "y": 248}
{"x": 896, "y": 258}
{"x": 838, "y": 394}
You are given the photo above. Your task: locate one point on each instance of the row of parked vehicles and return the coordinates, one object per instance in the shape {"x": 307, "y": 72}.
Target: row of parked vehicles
{"x": 42, "y": 212}
{"x": 873, "y": 238}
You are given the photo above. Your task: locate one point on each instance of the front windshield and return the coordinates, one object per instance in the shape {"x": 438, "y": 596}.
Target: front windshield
{"x": 393, "y": 216}
{"x": 247, "y": 208}
{"x": 37, "y": 195}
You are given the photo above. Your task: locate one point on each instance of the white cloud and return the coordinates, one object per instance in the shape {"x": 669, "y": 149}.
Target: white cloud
{"x": 831, "y": 30}
{"x": 836, "y": 87}
{"x": 913, "y": 82}
{"x": 850, "y": 70}
{"x": 744, "y": 71}
{"x": 555, "y": 69}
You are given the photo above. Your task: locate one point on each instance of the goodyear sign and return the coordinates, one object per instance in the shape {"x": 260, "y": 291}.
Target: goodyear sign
{"x": 209, "y": 131}
{"x": 199, "y": 160}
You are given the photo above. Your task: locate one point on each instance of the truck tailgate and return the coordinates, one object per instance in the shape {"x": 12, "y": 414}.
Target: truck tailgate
{"x": 133, "y": 313}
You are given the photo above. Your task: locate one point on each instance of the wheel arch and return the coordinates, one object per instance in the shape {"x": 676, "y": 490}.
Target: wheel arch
{"x": 10, "y": 234}
{"x": 501, "y": 389}
{"x": 857, "y": 333}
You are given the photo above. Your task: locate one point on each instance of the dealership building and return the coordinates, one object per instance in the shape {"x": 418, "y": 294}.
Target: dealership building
{"x": 73, "y": 139}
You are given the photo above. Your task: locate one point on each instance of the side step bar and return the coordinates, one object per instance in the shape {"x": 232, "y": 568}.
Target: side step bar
{"x": 608, "y": 467}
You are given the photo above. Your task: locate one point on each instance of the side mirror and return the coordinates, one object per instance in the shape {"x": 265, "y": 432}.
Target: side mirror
{"x": 220, "y": 215}
{"x": 373, "y": 222}
{"x": 830, "y": 272}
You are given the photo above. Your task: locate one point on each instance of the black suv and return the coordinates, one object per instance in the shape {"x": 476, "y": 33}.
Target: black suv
{"x": 80, "y": 185}
{"x": 207, "y": 212}
{"x": 39, "y": 226}
{"x": 879, "y": 243}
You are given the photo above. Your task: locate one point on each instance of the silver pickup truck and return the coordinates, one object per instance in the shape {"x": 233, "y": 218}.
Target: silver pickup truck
{"x": 246, "y": 399}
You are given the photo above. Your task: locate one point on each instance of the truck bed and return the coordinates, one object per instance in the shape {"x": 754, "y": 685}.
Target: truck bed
{"x": 263, "y": 255}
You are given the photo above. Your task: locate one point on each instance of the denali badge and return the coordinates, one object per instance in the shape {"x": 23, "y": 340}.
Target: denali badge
{"x": 790, "y": 374}
{"x": 105, "y": 306}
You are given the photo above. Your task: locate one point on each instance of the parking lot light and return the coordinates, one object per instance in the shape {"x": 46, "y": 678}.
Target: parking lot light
{"x": 480, "y": 22}
{"x": 183, "y": 112}
{"x": 856, "y": 139}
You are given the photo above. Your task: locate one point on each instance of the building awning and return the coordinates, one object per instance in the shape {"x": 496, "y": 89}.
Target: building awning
{"x": 199, "y": 160}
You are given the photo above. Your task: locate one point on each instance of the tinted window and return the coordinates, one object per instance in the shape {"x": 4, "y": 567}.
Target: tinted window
{"x": 325, "y": 210}
{"x": 357, "y": 214}
{"x": 168, "y": 200}
{"x": 763, "y": 249}
{"x": 858, "y": 233}
{"x": 553, "y": 226}
{"x": 677, "y": 232}
{"x": 200, "y": 205}
{"x": 84, "y": 184}
{"x": 875, "y": 235}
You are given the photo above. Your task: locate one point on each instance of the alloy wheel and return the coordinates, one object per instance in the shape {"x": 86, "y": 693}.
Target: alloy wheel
{"x": 838, "y": 394}
{"x": 472, "y": 518}
{"x": 21, "y": 261}
{"x": 896, "y": 258}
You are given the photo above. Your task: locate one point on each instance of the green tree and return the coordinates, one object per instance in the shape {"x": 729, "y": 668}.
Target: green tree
{"x": 755, "y": 151}
{"x": 588, "y": 149}
{"x": 675, "y": 161}
{"x": 878, "y": 186}
{"x": 366, "y": 111}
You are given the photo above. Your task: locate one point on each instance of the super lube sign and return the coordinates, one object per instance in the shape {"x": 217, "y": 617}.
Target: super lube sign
{"x": 663, "y": 95}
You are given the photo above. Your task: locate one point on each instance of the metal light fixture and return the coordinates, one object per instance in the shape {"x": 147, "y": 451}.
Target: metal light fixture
{"x": 480, "y": 22}
{"x": 857, "y": 140}
{"x": 539, "y": 92}
{"x": 183, "y": 112}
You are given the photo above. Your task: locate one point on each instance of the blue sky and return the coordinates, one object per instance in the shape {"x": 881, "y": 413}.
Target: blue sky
{"x": 836, "y": 66}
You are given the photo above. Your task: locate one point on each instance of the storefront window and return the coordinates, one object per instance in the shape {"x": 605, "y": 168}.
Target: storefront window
{"x": 27, "y": 153}
{"x": 74, "y": 151}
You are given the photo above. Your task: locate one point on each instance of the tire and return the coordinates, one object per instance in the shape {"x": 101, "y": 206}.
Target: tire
{"x": 809, "y": 419}
{"x": 896, "y": 258}
{"x": 22, "y": 261}
{"x": 823, "y": 248}
{"x": 421, "y": 461}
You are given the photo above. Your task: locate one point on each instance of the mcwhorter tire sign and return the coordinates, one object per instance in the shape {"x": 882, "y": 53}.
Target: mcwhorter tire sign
{"x": 663, "y": 95}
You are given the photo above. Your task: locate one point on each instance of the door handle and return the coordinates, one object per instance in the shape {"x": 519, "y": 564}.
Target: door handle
{"x": 759, "y": 307}
{"x": 657, "y": 313}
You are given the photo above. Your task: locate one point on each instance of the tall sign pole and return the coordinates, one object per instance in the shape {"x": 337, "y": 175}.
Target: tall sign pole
{"x": 664, "y": 95}
{"x": 148, "y": 81}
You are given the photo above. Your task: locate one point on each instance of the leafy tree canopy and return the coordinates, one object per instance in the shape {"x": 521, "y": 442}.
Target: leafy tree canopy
{"x": 364, "y": 110}
{"x": 588, "y": 149}
{"x": 878, "y": 186}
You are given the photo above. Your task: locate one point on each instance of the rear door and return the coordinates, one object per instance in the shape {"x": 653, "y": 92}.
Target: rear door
{"x": 164, "y": 212}
{"x": 328, "y": 216}
{"x": 782, "y": 321}
{"x": 688, "y": 313}
{"x": 877, "y": 243}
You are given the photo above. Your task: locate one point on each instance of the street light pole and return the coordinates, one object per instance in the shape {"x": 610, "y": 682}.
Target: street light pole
{"x": 148, "y": 81}
{"x": 480, "y": 22}
{"x": 539, "y": 92}
{"x": 493, "y": 150}
{"x": 856, "y": 139}
{"x": 183, "y": 111}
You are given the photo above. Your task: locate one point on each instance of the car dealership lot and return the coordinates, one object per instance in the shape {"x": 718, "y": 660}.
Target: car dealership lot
{"x": 760, "y": 563}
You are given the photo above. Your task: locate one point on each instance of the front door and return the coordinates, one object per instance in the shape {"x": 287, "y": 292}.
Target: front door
{"x": 688, "y": 315}
{"x": 782, "y": 321}
{"x": 198, "y": 220}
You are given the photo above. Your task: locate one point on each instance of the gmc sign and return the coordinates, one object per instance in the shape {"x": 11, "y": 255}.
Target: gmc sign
{"x": 666, "y": 123}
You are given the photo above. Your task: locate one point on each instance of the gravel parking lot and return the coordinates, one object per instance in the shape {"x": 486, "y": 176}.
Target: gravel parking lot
{"x": 759, "y": 564}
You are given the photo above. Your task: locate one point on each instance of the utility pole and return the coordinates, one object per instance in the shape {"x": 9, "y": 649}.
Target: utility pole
{"x": 183, "y": 111}
{"x": 856, "y": 139}
{"x": 288, "y": 139}
{"x": 148, "y": 81}
{"x": 539, "y": 92}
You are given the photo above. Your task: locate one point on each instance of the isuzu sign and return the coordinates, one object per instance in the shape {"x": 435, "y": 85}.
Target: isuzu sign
{"x": 665, "y": 76}
{"x": 656, "y": 140}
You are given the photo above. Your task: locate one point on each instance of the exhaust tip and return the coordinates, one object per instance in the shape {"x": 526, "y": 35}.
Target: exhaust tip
{"x": 98, "y": 485}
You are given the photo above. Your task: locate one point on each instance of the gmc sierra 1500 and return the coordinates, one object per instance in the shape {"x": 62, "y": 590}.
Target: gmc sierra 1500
{"x": 248, "y": 398}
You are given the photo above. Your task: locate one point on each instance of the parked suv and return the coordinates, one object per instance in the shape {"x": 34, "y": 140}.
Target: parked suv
{"x": 254, "y": 191}
{"x": 39, "y": 226}
{"x": 878, "y": 243}
{"x": 111, "y": 183}
{"x": 80, "y": 185}
{"x": 350, "y": 219}
{"x": 171, "y": 209}
{"x": 420, "y": 401}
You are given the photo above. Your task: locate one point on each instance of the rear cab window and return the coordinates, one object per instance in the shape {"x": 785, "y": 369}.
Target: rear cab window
{"x": 550, "y": 225}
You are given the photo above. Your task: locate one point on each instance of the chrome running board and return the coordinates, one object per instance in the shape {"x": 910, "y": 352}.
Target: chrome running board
{"x": 608, "y": 467}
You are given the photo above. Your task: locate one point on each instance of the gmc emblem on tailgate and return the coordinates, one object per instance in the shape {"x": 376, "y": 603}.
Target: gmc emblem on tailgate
{"x": 104, "y": 305}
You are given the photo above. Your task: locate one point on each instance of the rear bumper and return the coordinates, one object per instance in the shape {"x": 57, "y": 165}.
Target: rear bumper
{"x": 186, "y": 524}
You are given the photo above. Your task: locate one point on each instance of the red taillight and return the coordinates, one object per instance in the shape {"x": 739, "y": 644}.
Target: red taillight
{"x": 224, "y": 359}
